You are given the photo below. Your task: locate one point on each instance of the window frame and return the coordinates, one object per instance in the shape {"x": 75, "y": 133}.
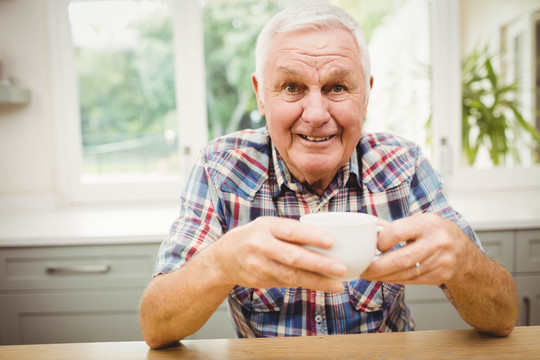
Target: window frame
{"x": 190, "y": 100}
{"x": 446, "y": 82}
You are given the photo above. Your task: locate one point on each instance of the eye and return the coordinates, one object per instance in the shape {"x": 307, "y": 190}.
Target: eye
{"x": 338, "y": 88}
{"x": 291, "y": 87}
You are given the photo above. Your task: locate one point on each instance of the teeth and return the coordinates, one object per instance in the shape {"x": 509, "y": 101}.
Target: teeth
{"x": 313, "y": 138}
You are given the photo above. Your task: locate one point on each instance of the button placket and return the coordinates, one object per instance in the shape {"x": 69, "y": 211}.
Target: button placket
{"x": 320, "y": 314}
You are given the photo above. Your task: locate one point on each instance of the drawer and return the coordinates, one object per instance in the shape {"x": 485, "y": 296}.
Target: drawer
{"x": 70, "y": 316}
{"x": 528, "y": 251}
{"x": 499, "y": 246}
{"x": 77, "y": 267}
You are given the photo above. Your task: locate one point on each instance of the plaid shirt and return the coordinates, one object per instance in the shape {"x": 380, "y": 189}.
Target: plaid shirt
{"x": 241, "y": 177}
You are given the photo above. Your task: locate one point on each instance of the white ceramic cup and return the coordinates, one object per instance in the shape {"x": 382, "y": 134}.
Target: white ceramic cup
{"x": 355, "y": 236}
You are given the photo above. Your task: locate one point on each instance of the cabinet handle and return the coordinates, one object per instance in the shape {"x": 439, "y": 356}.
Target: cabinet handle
{"x": 81, "y": 269}
{"x": 527, "y": 310}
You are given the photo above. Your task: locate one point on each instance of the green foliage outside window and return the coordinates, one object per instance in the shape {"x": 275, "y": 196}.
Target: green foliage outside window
{"x": 230, "y": 34}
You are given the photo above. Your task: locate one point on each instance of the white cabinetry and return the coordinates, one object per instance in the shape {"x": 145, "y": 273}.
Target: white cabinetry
{"x": 53, "y": 294}
{"x": 518, "y": 251}
{"x": 73, "y": 293}
{"x": 528, "y": 276}
{"x": 87, "y": 293}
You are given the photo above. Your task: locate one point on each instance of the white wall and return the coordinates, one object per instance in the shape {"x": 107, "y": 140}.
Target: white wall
{"x": 27, "y": 157}
{"x": 481, "y": 19}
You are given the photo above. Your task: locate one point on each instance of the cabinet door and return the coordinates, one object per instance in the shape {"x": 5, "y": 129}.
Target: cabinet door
{"x": 499, "y": 245}
{"x": 528, "y": 251}
{"x": 528, "y": 288}
{"x": 70, "y": 317}
{"x": 431, "y": 309}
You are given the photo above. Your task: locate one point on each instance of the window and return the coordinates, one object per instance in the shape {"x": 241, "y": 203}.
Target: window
{"x": 124, "y": 66}
{"x": 498, "y": 144}
{"x": 398, "y": 36}
{"x": 129, "y": 102}
{"x": 140, "y": 87}
{"x": 230, "y": 31}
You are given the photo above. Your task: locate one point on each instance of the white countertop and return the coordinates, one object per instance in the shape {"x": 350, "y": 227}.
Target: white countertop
{"x": 499, "y": 211}
{"x": 111, "y": 225}
{"x": 117, "y": 225}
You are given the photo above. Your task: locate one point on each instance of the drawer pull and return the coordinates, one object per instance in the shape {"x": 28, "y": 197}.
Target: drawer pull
{"x": 527, "y": 310}
{"x": 81, "y": 269}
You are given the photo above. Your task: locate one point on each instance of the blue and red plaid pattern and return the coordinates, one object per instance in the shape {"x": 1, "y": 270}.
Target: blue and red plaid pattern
{"x": 241, "y": 176}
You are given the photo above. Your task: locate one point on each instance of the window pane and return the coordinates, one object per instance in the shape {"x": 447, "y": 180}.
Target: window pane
{"x": 230, "y": 34}
{"x": 124, "y": 63}
{"x": 398, "y": 38}
{"x": 500, "y": 72}
{"x": 231, "y": 28}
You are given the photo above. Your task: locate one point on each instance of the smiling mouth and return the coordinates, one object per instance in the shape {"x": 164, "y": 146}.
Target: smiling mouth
{"x": 315, "y": 138}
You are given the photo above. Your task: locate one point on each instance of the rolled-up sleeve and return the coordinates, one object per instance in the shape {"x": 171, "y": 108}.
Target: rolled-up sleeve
{"x": 198, "y": 224}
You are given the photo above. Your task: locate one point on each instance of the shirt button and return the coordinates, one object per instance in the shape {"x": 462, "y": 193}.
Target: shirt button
{"x": 318, "y": 318}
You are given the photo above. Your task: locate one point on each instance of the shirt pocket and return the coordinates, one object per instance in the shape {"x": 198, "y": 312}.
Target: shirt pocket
{"x": 370, "y": 296}
{"x": 258, "y": 300}
{"x": 366, "y": 296}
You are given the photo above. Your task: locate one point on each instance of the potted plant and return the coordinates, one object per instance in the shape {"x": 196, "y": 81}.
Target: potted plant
{"x": 491, "y": 111}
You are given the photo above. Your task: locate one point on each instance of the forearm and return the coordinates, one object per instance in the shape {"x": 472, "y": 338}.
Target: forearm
{"x": 178, "y": 304}
{"x": 484, "y": 294}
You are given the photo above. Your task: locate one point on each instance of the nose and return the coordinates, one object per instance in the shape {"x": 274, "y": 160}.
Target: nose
{"x": 316, "y": 109}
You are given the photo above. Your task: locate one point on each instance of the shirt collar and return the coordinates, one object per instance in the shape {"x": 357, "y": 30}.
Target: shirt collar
{"x": 284, "y": 177}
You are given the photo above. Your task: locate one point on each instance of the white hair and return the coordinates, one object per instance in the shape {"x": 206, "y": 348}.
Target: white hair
{"x": 309, "y": 16}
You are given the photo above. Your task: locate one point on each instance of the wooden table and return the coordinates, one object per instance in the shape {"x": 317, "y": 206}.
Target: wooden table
{"x": 523, "y": 343}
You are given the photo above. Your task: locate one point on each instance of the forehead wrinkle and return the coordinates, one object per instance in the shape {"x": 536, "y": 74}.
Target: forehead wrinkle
{"x": 334, "y": 71}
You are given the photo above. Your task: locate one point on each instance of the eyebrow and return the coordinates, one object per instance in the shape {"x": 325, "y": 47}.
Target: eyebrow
{"x": 340, "y": 72}
{"x": 288, "y": 71}
{"x": 293, "y": 74}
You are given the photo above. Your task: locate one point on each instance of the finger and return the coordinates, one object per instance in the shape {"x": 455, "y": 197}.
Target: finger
{"x": 410, "y": 276}
{"x": 435, "y": 269}
{"x": 295, "y": 277}
{"x": 398, "y": 260}
{"x": 296, "y": 256}
{"x": 398, "y": 231}
{"x": 298, "y": 232}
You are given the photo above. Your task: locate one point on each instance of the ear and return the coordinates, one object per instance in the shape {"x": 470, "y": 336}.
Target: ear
{"x": 260, "y": 103}
{"x": 366, "y": 101}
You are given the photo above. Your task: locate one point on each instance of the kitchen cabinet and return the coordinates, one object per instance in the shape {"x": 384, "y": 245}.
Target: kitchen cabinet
{"x": 528, "y": 288}
{"x": 89, "y": 293}
{"x": 527, "y": 276}
{"x": 73, "y": 293}
{"x": 518, "y": 251}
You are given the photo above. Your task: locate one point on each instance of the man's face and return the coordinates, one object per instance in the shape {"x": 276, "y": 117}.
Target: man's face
{"x": 314, "y": 101}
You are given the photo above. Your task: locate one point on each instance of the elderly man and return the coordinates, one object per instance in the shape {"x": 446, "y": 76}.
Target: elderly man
{"x": 238, "y": 234}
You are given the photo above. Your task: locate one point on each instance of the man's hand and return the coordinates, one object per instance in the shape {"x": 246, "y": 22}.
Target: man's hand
{"x": 438, "y": 252}
{"x": 268, "y": 252}
{"x": 436, "y": 244}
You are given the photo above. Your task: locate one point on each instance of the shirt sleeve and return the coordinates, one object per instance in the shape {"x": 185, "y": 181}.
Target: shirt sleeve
{"x": 198, "y": 225}
{"x": 428, "y": 195}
